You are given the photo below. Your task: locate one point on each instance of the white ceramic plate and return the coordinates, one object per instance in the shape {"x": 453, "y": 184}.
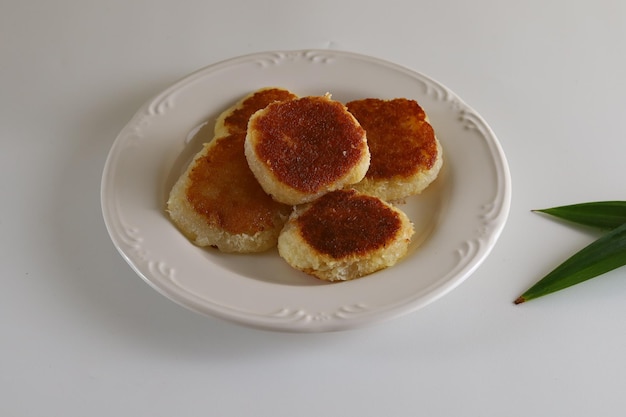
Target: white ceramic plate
{"x": 457, "y": 219}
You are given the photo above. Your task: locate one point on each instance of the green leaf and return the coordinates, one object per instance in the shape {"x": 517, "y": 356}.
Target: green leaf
{"x": 602, "y": 214}
{"x": 601, "y": 256}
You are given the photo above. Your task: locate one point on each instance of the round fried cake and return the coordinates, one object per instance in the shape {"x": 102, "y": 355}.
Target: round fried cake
{"x": 406, "y": 156}
{"x": 345, "y": 235}
{"x": 301, "y": 149}
{"x": 218, "y": 202}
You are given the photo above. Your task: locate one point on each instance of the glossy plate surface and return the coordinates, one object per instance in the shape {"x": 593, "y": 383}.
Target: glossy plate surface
{"x": 457, "y": 219}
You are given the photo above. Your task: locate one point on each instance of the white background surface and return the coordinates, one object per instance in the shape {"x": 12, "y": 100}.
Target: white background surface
{"x": 82, "y": 335}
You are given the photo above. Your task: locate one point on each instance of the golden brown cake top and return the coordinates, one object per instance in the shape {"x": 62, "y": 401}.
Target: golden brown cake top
{"x": 223, "y": 190}
{"x": 400, "y": 140}
{"x": 238, "y": 120}
{"x": 309, "y": 142}
{"x": 344, "y": 223}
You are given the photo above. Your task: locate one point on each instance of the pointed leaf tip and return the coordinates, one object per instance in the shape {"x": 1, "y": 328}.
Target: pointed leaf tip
{"x": 519, "y": 300}
{"x": 604, "y": 215}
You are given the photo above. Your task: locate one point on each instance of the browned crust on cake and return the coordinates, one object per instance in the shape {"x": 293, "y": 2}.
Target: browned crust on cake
{"x": 401, "y": 141}
{"x": 236, "y": 119}
{"x": 223, "y": 190}
{"x": 343, "y": 224}
{"x": 308, "y": 143}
